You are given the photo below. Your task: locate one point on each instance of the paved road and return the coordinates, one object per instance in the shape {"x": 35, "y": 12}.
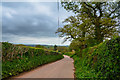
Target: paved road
{"x": 59, "y": 69}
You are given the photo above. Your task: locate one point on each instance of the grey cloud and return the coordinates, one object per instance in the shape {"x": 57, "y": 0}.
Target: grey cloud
{"x": 31, "y": 22}
{"x": 33, "y": 25}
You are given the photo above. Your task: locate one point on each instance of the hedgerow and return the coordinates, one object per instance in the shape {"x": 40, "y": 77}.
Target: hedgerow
{"x": 100, "y": 61}
{"x": 17, "y": 59}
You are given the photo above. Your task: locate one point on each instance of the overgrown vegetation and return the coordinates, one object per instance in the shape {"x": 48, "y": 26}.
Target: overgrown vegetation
{"x": 92, "y": 24}
{"x": 101, "y": 61}
{"x": 63, "y": 49}
{"x": 16, "y": 59}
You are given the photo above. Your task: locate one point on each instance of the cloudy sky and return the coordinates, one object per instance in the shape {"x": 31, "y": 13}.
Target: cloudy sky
{"x": 32, "y": 22}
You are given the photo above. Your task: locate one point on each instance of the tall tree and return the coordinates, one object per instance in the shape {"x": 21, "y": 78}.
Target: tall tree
{"x": 97, "y": 20}
{"x": 78, "y": 28}
{"x": 55, "y": 47}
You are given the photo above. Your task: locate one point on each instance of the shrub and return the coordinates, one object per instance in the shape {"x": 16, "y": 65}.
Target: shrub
{"x": 107, "y": 59}
{"x": 17, "y": 59}
{"x": 100, "y": 61}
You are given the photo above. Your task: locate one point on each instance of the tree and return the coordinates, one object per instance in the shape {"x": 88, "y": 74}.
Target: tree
{"x": 55, "y": 47}
{"x": 78, "y": 29}
{"x": 63, "y": 49}
{"x": 75, "y": 45}
{"x": 93, "y": 21}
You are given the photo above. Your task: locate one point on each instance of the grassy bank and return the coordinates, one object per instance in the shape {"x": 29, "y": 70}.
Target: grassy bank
{"x": 100, "y": 61}
{"x": 17, "y": 59}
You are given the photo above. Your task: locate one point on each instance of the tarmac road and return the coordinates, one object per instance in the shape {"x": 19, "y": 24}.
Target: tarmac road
{"x": 63, "y": 68}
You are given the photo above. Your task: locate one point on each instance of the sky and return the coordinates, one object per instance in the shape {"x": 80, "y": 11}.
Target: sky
{"x": 32, "y": 22}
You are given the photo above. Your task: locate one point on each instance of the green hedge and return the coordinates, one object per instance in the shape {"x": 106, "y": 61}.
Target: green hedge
{"x": 68, "y": 53}
{"x": 17, "y": 59}
{"x": 101, "y": 61}
{"x": 11, "y": 52}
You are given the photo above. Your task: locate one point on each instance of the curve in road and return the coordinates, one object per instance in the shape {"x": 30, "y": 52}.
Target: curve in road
{"x": 60, "y": 69}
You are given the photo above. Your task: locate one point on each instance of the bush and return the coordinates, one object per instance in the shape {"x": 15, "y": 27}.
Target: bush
{"x": 17, "y": 59}
{"x": 68, "y": 53}
{"x": 107, "y": 59}
{"x": 10, "y": 68}
{"x": 101, "y": 61}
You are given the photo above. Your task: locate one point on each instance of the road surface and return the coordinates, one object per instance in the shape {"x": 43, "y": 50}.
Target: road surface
{"x": 63, "y": 68}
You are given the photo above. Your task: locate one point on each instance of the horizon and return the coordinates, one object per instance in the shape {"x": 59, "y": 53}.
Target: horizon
{"x": 20, "y": 25}
{"x": 41, "y": 44}
{"x": 36, "y": 44}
